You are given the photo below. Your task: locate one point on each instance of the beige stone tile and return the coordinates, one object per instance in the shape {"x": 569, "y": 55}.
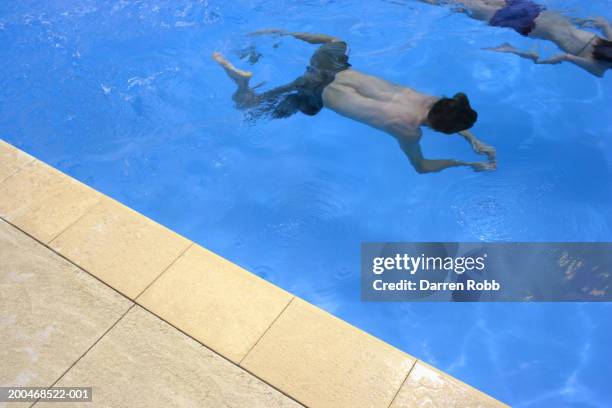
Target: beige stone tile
{"x": 50, "y": 311}
{"x": 216, "y": 302}
{"x": 119, "y": 246}
{"x": 43, "y": 201}
{"x": 11, "y": 160}
{"x": 324, "y": 362}
{"x": 144, "y": 362}
{"x": 428, "y": 387}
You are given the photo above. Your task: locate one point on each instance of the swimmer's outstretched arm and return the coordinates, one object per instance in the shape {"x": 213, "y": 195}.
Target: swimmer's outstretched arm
{"x": 423, "y": 165}
{"x": 599, "y": 23}
{"x": 478, "y": 146}
{"x": 587, "y": 64}
{"x": 510, "y": 49}
{"x": 308, "y": 37}
{"x": 584, "y": 63}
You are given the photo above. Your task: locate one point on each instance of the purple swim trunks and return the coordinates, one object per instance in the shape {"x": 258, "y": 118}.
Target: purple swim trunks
{"x": 519, "y": 15}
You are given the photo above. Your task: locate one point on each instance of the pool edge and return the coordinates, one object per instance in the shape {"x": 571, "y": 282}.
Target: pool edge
{"x": 247, "y": 320}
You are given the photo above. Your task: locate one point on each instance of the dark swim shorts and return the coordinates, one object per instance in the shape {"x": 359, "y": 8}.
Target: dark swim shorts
{"x": 325, "y": 63}
{"x": 305, "y": 94}
{"x": 519, "y": 15}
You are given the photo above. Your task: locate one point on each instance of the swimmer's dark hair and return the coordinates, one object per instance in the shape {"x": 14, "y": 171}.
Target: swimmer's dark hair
{"x": 452, "y": 115}
{"x": 603, "y": 50}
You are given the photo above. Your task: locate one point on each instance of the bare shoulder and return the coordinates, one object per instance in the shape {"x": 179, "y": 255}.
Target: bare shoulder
{"x": 405, "y": 132}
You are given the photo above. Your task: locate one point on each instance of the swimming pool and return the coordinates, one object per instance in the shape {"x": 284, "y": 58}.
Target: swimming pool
{"x": 124, "y": 96}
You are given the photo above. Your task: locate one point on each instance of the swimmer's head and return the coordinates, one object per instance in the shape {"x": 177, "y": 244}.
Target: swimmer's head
{"x": 452, "y": 115}
{"x": 603, "y": 50}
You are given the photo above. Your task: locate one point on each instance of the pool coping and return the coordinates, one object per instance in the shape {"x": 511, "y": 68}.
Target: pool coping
{"x": 295, "y": 347}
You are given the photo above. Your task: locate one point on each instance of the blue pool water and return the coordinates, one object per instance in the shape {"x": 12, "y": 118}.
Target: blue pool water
{"x": 123, "y": 95}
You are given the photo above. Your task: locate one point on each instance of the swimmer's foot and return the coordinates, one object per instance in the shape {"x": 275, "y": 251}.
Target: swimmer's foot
{"x": 509, "y": 49}
{"x": 239, "y": 76}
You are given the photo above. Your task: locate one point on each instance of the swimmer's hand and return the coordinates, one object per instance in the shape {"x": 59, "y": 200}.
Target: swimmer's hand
{"x": 483, "y": 148}
{"x": 483, "y": 166}
{"x": 478, "y": 146}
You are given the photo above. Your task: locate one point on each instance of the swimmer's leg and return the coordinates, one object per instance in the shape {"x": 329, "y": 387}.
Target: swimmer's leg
{"x": 240, "y": 77}
{"x": 307, "y": 37}
{"x": 244, "y": 95}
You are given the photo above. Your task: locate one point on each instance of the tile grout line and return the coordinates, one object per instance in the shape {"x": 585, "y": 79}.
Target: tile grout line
{"x": 88, "y": 349}
{"x": 19, "y": 169}
{"x": 403, "y": 382}
{"x": 266, "y": 331}
{"x": 157, "y": 316}
{"x": 71, "y": 262}
{"x": 191, "y": 244}
{"x": 217, "y": 353}
{"x": 87, "y": 211}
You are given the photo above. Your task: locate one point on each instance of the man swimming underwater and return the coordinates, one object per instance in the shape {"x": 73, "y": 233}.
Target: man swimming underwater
{"x": 582, "y": 48}
{"x": 330, "y": 82}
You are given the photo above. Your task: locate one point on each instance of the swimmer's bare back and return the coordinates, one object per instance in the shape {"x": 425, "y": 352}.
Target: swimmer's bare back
{"x": 399, "y": 111}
